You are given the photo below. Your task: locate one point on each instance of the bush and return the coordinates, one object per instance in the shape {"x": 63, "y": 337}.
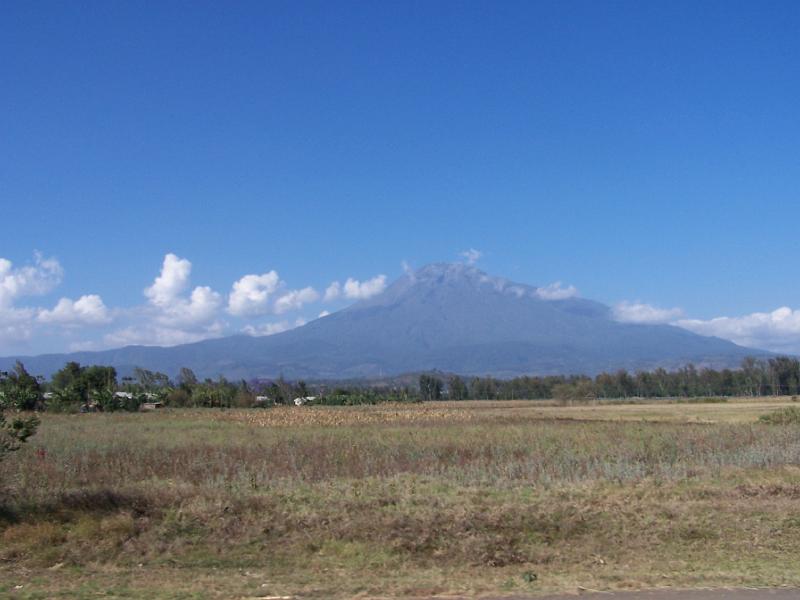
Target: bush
{"x": 179, "y": 398}
{"x": 132, "y": 404}
{"x": 57, "y": 403}
{"x": 580, "y": 391}
{"x": 244, "y": 399}
{"x": 108, "y": 401}
{"x": 786, "y": 416}
{"x": 15, "y": 432}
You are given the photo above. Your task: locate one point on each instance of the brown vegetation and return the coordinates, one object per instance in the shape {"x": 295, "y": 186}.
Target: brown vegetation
{"x": 401, "y": 500}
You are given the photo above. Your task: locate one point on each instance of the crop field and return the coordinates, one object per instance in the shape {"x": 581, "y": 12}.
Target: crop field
{"x": 411, "y": 500}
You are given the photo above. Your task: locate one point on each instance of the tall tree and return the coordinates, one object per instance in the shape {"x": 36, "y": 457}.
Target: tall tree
{"x": 456, "y": 388}
{"x": 186, "y": 378}
{"x": 19, "y": 389}
{"x": 430, "y": 387}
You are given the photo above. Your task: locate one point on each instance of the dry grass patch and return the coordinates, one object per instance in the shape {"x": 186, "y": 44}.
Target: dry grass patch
{"x": 186, "y": 505}
{"x": 378, "y": 537}
{"x": 348, "y": 416}
{"x": 733, "y": 410}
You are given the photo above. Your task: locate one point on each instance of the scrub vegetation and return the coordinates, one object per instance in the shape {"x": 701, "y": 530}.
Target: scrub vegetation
{"x": 403, "y": 500}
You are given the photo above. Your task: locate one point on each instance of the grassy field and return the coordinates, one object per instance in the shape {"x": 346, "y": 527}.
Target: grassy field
{"x": 402, "y": 501}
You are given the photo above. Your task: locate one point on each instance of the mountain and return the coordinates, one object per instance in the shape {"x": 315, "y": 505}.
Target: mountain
{"x": 450, "y": 317}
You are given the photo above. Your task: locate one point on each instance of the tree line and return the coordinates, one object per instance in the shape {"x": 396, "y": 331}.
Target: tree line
{"x": 775, "y": 376}
{"x": 77, "y": 388}
{"x": 93, "y": 387}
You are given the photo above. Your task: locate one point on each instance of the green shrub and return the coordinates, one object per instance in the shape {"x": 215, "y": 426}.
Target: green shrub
{"x": 108, "y": 401}
{"x": 15, "y": 432}
{"x": 785, "y": 416}
{"x": 57, "y": 403}
{"x": 580, "y": 391}
{"x": 178, "y": 398}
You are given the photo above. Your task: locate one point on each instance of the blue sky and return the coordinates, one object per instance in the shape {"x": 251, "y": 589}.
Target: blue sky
{"x": 647, "y": 154}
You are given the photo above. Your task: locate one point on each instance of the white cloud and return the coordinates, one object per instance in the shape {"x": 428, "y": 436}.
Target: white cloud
{"x": 174, "y": 309}
{"x": 361, "y": 290}
{"x": 556, "y": 291}
{"x": 84, "y": 346}
{"x": 295, "y": 299}
{"x": 639, "y": 312}
{"x": 31, "y": 280}
{"x": 324, "y": 313}
{"x": 471, "y": 256}
{"x": 154, "y": 335}
{"x": 778, "y": 330}
{"x": 266, "y": 328}
{"x": 272, "y": 328}
{"x": 201, "y": 307}
{"x": 251, "y": 294}
{"x": 174, "y": 312}
{"x": 171, "y": 282}
{"x": 356, "y": 290}
{"x": 172, "y": 315}
{"x": 18, "y": 323}
{"x": 86, "y": 310}
{"x": 333, "y": 291}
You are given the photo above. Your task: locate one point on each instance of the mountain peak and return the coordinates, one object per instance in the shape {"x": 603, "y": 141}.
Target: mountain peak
{"x": 465, "y": 275}
{"x": 447, "y": 270}
{"x": 441, "y": 277}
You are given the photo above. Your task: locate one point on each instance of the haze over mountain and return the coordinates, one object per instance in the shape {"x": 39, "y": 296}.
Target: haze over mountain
{"x": 451, "y": 317}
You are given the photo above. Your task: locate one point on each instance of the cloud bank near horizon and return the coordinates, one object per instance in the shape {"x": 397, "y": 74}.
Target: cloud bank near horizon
{"x": 777, "y": 330}
{"x": 172, "y": 310}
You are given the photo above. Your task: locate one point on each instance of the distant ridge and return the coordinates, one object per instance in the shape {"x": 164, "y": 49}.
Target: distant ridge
{"x": 451, "y": 317}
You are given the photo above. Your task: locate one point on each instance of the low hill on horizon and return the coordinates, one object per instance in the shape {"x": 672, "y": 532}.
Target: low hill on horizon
{"x": 449, "y": 317}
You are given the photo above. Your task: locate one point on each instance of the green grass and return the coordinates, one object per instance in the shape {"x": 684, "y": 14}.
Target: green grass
{"x": 376, "y": 501}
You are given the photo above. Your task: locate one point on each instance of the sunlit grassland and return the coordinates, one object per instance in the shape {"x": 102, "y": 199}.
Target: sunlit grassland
{"x": 403, "y": 500}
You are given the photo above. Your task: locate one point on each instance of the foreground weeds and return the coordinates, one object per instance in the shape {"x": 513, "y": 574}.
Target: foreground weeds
{"x": 183, "y": 506}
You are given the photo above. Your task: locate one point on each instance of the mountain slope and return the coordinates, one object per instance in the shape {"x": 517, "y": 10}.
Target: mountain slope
{"x": 451, "y": 317}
